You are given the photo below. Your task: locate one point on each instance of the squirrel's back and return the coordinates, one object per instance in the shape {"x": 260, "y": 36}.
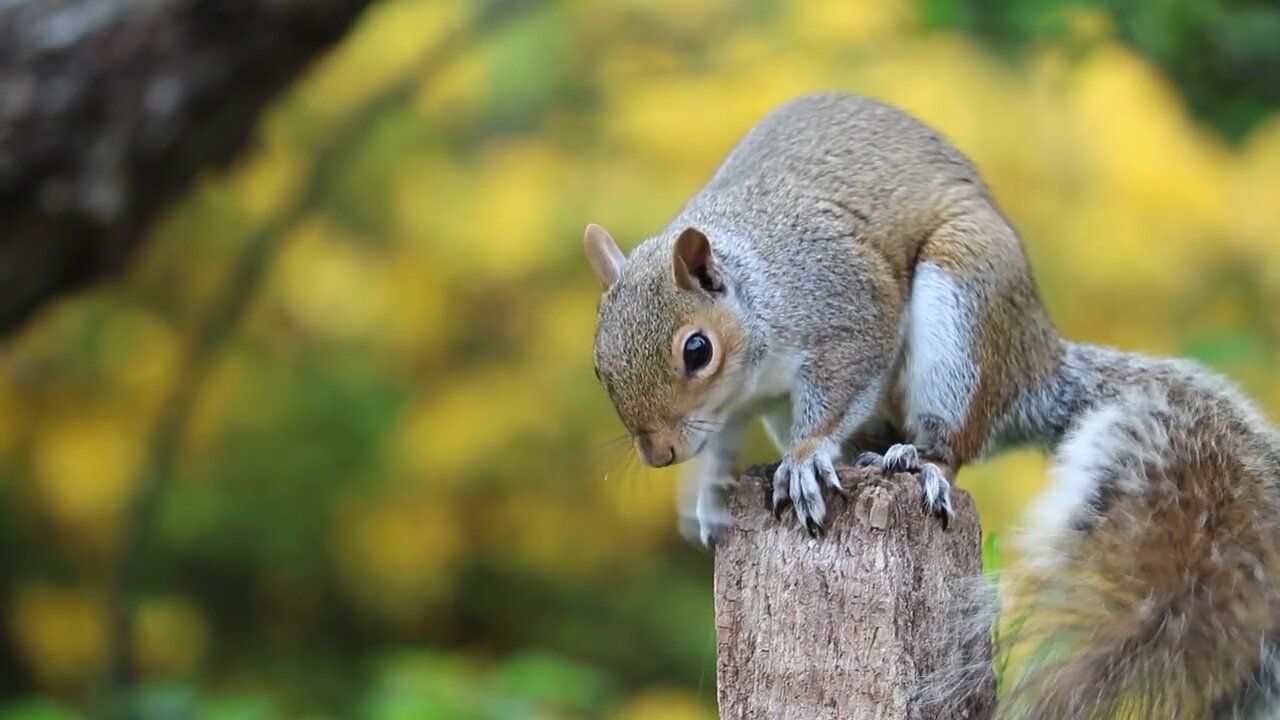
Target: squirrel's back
{"x": 829, "y": 161}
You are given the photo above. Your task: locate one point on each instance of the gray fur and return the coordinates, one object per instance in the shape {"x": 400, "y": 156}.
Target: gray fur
{"x": 814, "y": 219}
{"x": 820, "y": 222}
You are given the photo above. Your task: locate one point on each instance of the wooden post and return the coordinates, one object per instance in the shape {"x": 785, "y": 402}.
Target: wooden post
{"x": 850, "y": 624}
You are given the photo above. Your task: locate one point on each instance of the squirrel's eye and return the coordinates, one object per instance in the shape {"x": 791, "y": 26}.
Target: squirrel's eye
{"x": 697, "y": 352}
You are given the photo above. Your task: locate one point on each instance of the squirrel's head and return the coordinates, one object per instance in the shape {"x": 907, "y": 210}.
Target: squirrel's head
{"x": 669, "y": 340}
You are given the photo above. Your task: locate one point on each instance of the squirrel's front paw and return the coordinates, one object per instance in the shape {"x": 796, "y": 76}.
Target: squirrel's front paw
{"x": 933, "y": 481}
{"x": 797, "y": 482}
{"x": 713, "y": 521}
{"x": 704, "y": 519}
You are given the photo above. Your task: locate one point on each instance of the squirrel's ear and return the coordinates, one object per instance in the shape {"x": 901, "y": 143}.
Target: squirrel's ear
{"x": 603, "y": 254}
{"x": 693, "y": 265}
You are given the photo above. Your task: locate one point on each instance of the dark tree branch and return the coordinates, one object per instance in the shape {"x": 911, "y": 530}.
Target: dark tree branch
{"x": 110, "y": 108}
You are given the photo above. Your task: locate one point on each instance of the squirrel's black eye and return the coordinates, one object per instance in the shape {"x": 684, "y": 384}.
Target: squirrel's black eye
{"x": 697, "y": 352}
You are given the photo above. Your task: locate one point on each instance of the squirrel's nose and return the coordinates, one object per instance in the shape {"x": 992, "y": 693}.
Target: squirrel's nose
{"x": 655, "y": 454}
{"x": 663, "y": 457}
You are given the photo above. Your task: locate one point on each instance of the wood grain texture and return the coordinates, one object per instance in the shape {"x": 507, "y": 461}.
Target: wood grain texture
{"x": 850, "y": 625}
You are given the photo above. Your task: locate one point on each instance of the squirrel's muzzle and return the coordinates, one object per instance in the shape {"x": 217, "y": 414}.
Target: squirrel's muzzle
{"x": 660, "y": 448}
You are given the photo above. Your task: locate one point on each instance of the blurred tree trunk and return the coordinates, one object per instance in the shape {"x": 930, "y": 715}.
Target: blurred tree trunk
{"x": 874, "y": 620}
{"x": 110, "y": 108}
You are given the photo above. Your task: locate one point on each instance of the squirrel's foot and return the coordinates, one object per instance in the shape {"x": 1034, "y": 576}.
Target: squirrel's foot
{"x": 712, "y": 518}
{"x": 796, "y": 482}
{"x": 934, "y": 487}
{"x": 706, "y": 522}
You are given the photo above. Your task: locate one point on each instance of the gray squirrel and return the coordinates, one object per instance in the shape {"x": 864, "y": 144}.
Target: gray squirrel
{"x": 846, "y": 276}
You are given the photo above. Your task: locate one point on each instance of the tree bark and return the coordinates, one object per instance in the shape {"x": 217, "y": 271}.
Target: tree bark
{"x": 873, "y": 620}
{"x": 110, "y": 108}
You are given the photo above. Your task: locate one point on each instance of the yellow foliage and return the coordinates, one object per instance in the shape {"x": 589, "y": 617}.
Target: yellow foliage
{"x": 457, "y": 90}
{"x": 949, "y": 82}
{"x": 169, "y": 636}
{"x": 399, "y": 555}
{"x": 566, "y": 328}
{"x": 61, "y": 633}
{"x": 140, "y": 353}
{"x": 665, "y": 703}
{"x": 1255, "y": 191}
{"x": 490, "y": 220}
{"x": 419, "y": 325}
{"x": 223, "y": 386}
{"x": 619, "y": 192}
{"x": 86, "y": 462}
{"x": 684, "y": 124}
{"x": 1089, "y": 23}
{"x": 1003, "y": 487}
{"x": 639, "y": 502}
{"x": 267, "y": 180}
{"x": 507, "y": 230}
{"x": 663, "y": 18}
{"x": 11, "y": 410}
{"x": 390, "y": 36}
{"x": 541, "y": 533}
{"x": 449, "y": 428}
{"x": 333, "y": 285}
{"x": 537, "y": 529}
{"x": 425, "y": 191}
{"x": 846, "y": 24}
{"x": 1149, "y": 162}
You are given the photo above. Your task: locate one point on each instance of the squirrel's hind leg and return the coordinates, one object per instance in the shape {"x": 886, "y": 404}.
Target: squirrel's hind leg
{"x": 939, "y": 380}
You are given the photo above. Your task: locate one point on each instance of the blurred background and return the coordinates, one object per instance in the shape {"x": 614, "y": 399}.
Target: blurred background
{"x": 332, "y": 432}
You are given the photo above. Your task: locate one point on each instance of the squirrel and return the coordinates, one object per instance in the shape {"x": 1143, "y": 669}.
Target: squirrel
{"x": 846, "y": 276}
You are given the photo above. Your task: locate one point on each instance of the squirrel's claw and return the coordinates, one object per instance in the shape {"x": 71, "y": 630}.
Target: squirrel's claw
{"x": 815, "y": 528}
{"x": 713, "y": 522}
{"x": 781, "y": 499}
{"x": 799, "y": 483}
{"x": 779, "y": 507}
{"x": 937, "y": 492}
{"x": 827, "y": 469}
{"x": 869, "y": 459}
{"x": 709, "y": 538}
{"x": 934, "y": 487}
{"x": 706, "y": 532}
{"x": 901, "y": 458}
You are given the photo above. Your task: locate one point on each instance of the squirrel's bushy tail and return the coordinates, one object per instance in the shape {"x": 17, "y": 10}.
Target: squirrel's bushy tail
{"x": 1150, "y": 587}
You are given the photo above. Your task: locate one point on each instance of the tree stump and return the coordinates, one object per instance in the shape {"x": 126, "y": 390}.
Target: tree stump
{"x": 857, "y": 623}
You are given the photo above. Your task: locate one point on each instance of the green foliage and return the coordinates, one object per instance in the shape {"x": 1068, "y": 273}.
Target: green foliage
{"x": 1004, "y": 627}
{"x": 418, "y": 685}
{"x": 1223, "y": 54}
{"x": 991, "y": 554}
{"x": 36, "y": 709}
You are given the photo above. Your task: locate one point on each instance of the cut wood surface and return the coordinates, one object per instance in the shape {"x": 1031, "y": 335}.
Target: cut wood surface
{"x": 851, "y": 624}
